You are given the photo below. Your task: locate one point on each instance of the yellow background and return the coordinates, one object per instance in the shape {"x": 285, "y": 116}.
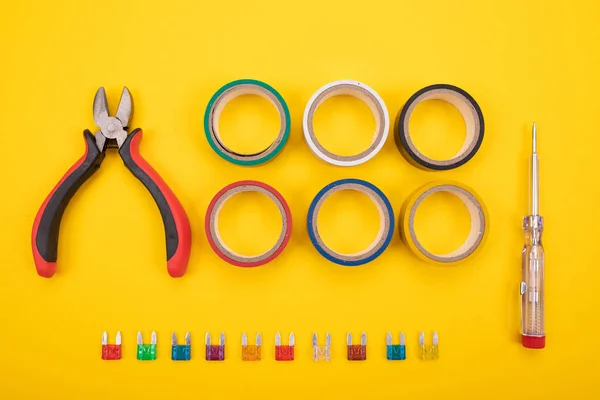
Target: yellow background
{"x": 522, "y": 61}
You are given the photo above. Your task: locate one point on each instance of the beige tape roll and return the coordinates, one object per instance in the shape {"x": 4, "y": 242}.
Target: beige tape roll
{"x": 477, "y": 212}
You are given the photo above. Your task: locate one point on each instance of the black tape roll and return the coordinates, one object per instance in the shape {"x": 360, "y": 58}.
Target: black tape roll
{"x": 470, "y": 111}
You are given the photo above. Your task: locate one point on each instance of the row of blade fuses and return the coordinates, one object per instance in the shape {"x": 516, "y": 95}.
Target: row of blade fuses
{"x": 216, "y": 352}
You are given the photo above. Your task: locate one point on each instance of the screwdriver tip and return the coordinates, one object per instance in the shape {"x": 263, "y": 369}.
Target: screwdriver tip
{"x": 534, "y": 137}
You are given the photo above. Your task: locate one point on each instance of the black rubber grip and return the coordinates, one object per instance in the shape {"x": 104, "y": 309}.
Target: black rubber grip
{"x": 47, "y": 223}
{"x": 150, "y": 179}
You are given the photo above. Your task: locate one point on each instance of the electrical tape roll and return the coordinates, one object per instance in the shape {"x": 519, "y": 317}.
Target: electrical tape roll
{"x": 211, "y": 224}
{"x": 386, "y": 228}
{"x": 471, "y": 113}
{"x": 361, "y": 92}
{"x": 477, "y": 233}
{"x": 213, "y": 114}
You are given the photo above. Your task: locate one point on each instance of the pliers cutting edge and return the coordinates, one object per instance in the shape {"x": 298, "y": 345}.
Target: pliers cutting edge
{"x": 112, "y": 134}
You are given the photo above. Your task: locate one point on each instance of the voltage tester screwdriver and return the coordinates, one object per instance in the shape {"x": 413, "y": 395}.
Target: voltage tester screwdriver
{"x": 532, "y": 286}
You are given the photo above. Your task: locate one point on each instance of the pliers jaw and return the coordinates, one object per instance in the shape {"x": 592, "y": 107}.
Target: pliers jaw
{"x": 113, "y": 130}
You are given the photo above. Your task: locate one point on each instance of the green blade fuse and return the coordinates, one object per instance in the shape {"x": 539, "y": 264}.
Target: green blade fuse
{"x": 146, "y": 352}
{"x": 395, "y": 351}
{"x": 181, "y": 352}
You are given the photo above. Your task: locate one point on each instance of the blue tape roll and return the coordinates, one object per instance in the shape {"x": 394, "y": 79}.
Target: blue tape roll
{"x": 378, "y": 245}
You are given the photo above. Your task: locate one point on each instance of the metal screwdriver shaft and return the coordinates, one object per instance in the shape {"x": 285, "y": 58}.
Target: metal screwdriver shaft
{"x": 532, "y": 286}
{"x": 534, "y": 206}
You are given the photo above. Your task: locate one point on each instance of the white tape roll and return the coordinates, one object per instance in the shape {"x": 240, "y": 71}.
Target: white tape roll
{"x": 361, "y": 92}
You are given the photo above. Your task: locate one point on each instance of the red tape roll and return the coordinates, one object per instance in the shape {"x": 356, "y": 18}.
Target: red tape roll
{"x": 211, "y": 224}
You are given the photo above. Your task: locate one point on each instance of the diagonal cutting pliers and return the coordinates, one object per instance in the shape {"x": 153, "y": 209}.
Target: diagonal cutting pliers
{"x": 112, "y": 134}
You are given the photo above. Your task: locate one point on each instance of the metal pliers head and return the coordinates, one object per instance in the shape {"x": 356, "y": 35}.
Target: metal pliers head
{"x": 113, "y": 130}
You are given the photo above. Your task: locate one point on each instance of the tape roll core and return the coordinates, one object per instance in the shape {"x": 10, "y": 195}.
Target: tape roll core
{"x": 212, "y": 224}
{"x": 361, "y": 92}
{"x": 386, "y": 222}
{"x": 468, "y": 108}
{"x": 231, "y": 91}
{"x": 477, "y": 232}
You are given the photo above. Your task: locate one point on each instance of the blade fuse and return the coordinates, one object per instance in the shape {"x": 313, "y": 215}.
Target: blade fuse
{"x": 395, "y": 351}
{"x": 357, "y": 352}
{"x": 181, "y": 352}
{"x": 532, "y": 286}
{"x": 283, "y": 352}
{"x": 321, "y": 353}
{"x": 111, "y": 351}
{"x": 251, "y": 352}
{"x": 215, "y": 352}
{"x": 146, "y": 352}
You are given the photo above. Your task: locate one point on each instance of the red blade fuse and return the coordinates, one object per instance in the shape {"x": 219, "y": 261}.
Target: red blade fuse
{"x": 282, "y": 352}
{"x": 532, "y": 286}
{"x": 251, "y": 352}
{"x": 111, "y": 351}
{"x": 215, "y": 352}
{"x": 357, "y": 352}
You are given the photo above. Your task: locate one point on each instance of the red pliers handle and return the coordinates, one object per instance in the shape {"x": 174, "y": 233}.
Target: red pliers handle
{"x": 44, "y": 238}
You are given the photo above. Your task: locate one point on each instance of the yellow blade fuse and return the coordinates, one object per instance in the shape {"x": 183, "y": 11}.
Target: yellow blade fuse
{"x": 532, "y": 286}
{"x": 434, "y": 346}
{"x": 422, "y": 347}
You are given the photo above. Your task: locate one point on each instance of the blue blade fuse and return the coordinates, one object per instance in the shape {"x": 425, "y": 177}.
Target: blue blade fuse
{"x": 321, "y": 353}
{"x": 395, "y": 351}
{"x": 181, "y": 352}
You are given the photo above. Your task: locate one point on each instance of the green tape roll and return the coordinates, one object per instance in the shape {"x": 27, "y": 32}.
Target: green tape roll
{"x": 229, "y": 92}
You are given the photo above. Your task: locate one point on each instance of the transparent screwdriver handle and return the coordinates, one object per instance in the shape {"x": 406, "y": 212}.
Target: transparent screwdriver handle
{"x": 532, "y": 286}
